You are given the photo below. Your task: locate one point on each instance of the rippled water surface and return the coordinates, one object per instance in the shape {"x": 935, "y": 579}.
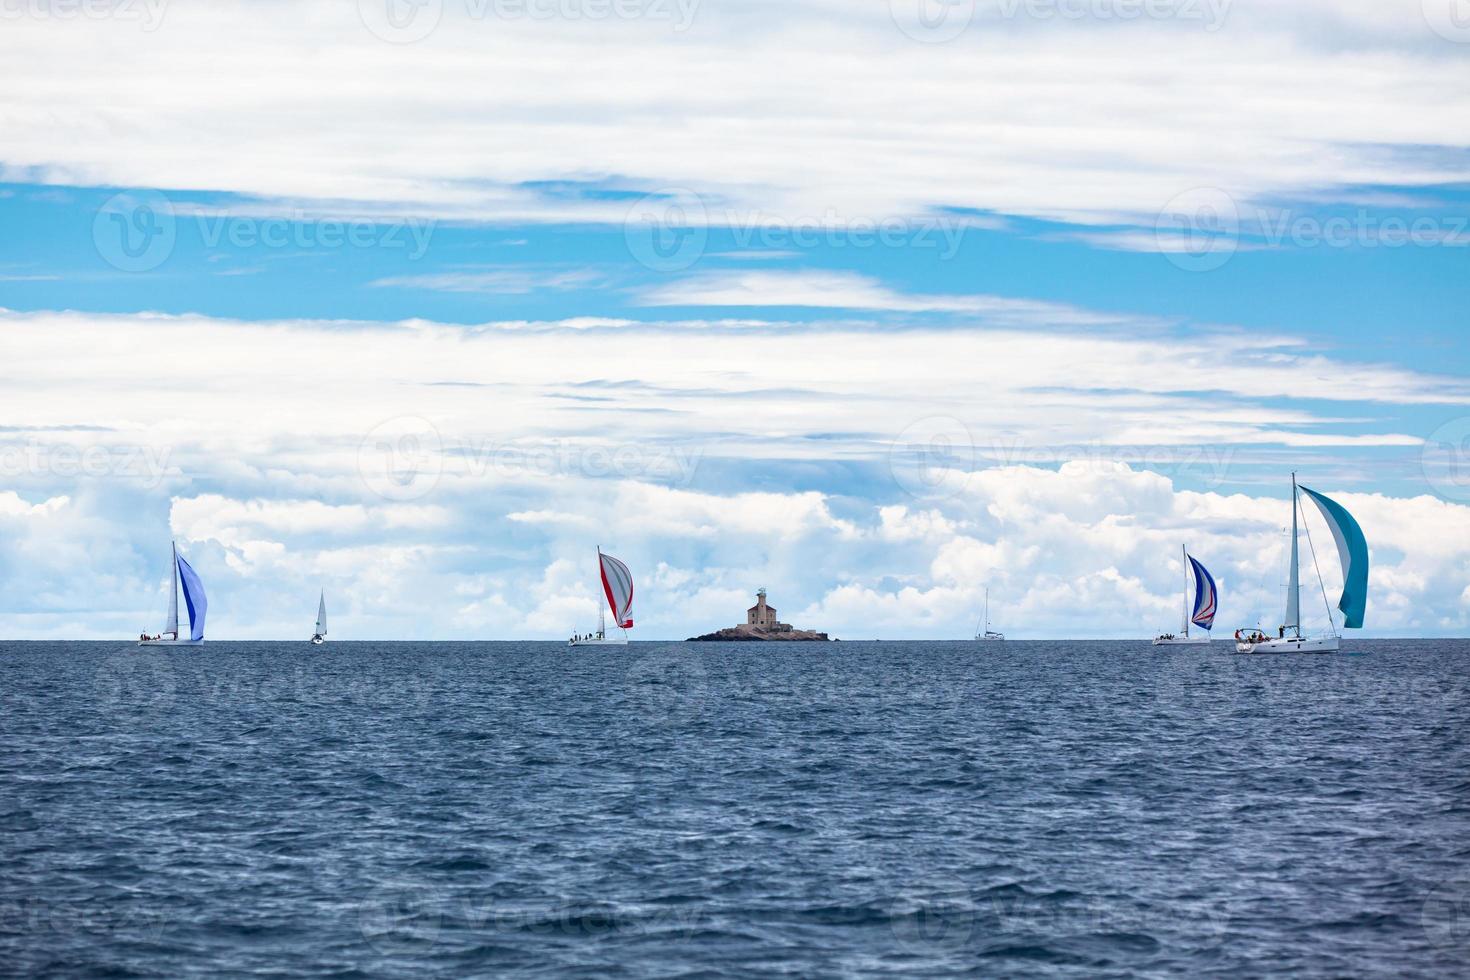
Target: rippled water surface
{"x": 852, "y": 809}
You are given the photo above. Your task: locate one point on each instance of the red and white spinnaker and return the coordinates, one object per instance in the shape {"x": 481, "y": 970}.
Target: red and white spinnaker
{"x": 617, "y": 585}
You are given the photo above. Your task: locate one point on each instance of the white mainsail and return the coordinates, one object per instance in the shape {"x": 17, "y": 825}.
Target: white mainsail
{"x": 1184, "y": 550}
{"x": 321, "y": 615}
{"x": 1293, "y": 619}
{"x": 172, "y": 626}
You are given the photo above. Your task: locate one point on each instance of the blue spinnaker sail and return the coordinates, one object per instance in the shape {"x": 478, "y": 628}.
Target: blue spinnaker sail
{"x": 1205, "y": 596}
{"x": 194, "y": 597}
{"x": 1352, "y": 552}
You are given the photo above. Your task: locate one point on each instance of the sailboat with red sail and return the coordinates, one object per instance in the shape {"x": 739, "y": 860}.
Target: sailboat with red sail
{"x": 617, "y": 589}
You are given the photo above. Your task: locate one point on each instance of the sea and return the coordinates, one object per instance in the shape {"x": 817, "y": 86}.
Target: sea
{"x": 671, "y": 810}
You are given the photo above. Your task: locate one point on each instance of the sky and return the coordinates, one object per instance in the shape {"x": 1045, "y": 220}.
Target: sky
{"x": 872, "y": 303}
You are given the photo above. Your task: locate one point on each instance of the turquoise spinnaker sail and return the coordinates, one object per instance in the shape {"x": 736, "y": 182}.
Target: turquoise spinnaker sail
{"x": 1352, "y": 552}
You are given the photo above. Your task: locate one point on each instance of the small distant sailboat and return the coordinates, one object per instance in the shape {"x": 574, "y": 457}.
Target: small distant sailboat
{"x": 987, "y": 633}
{"x": 1205, "y": 603}
{"x": 1352, "y": 553}
{"x": 617, "y": 587}
{"x": 320, "y": 636}
{"x": 194, "y": 599}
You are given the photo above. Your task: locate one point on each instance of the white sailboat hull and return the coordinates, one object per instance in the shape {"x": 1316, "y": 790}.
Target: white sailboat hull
{"x": 596, "y": 641}
{"x": 991, "y": 637}
{"x": 318, "y": 640}
{"x": 1289, "y": 644}
{"x": 1181, "y": 641}
{"x": 171, "y": 643}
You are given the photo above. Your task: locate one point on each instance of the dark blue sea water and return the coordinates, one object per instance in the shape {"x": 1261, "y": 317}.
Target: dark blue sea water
{"x": 843, "y": 810}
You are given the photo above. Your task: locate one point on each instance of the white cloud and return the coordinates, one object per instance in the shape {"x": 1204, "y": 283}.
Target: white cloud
{"x": 850, "y": 291}
{"x": 713, "y": 461}
{"x": 655, "y": 402}
{"x": 1078, "y": 551}
{"x": 1093, "y": 120}
{"x": 500, "y": 281}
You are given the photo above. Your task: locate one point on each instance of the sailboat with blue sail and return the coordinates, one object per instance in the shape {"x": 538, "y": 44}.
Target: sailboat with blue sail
{"x": 1202, "y": 612}
{"x": 1352, "y": 554}
{"x": 197, "y": 603}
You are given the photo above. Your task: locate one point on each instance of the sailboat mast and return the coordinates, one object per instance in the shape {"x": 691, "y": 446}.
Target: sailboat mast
{"x": 1184, "y": 555}
{"x": 987, "y": 609}
{"x": 1294, "y": 582}
{"x": 173, "y": 593}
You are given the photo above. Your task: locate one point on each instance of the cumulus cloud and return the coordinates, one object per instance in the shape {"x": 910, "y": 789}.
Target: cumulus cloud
{"x": 471, "y": 508}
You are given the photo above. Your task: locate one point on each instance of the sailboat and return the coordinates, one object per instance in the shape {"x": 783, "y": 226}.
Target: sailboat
{"x": 320, "y": 636}
{"x": 1352, "y": 553}
{"x": 987, "y": 633}
{"x": 617, "y": 587}
{"x": 194, "y": 598}
{"x": 1202, "y": 614}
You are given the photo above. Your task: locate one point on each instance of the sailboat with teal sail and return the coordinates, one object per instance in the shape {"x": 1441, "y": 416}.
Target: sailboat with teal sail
{"x": 1202, "y": 613}
{"x": 197, "y": 603}
{"x": 1352, "y": 554}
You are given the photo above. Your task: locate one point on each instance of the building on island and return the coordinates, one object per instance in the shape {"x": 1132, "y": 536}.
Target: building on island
{"x": 764, "y": 616}
{"x": 761, "y": 624}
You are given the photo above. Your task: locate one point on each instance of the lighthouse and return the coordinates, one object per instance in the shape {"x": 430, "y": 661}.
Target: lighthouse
{"x": 763, "y": 615}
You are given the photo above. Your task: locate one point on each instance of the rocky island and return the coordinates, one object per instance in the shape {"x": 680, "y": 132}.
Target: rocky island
{"x": 761, "y": 624}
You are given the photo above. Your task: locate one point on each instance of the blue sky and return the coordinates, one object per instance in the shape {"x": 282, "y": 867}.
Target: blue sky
{"x": 422, "y": 319}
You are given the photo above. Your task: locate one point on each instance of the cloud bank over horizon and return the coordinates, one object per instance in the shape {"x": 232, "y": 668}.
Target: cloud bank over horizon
{"x": 443, "y": 481}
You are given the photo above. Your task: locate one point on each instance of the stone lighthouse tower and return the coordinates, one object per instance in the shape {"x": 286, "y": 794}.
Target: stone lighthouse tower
{"x": 763, "y": 615}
